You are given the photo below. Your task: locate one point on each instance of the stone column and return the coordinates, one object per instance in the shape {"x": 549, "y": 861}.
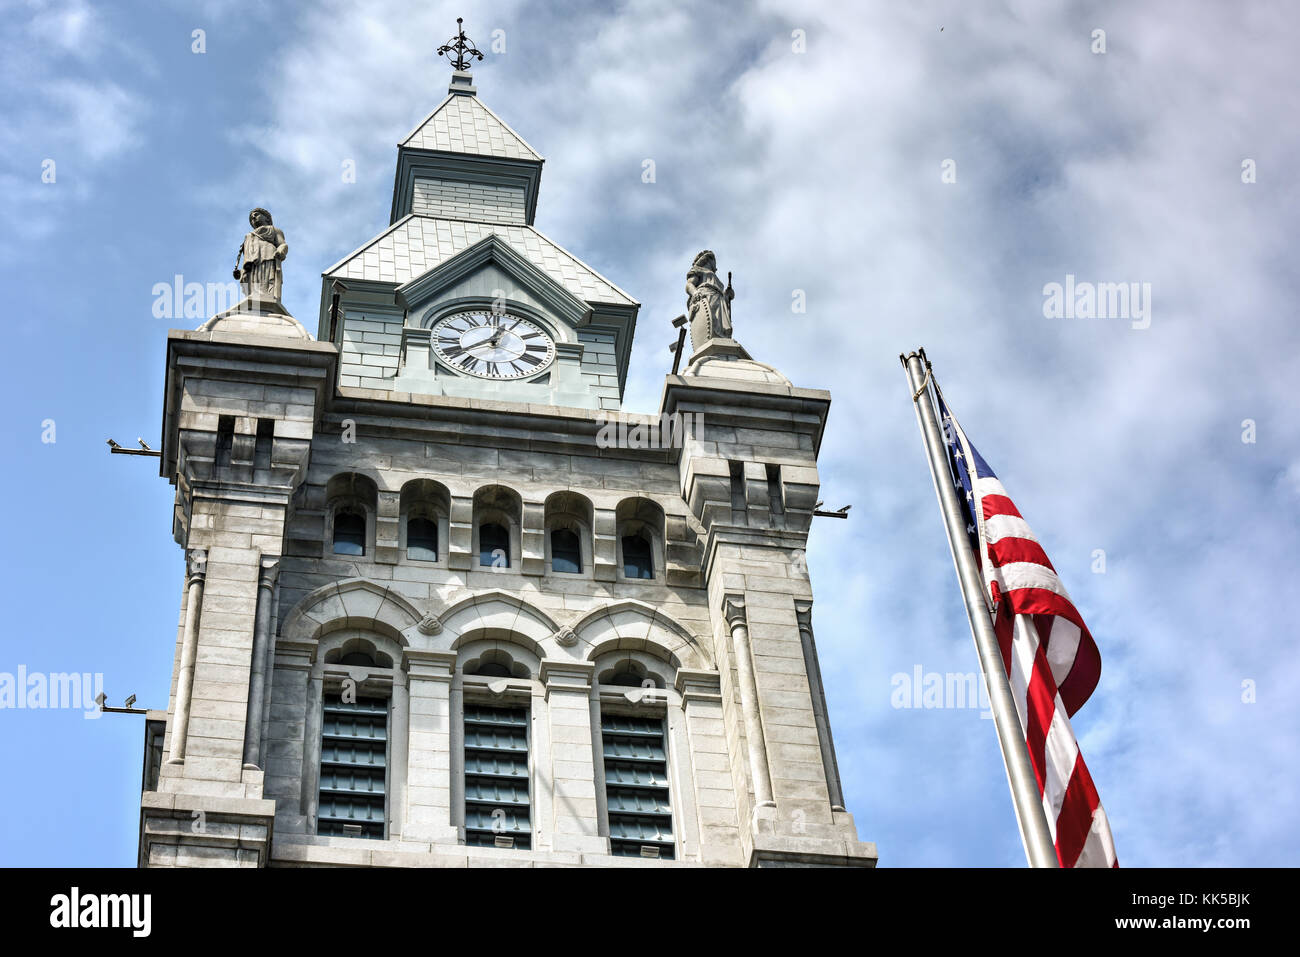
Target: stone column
{"x": 575, "y": 826}
{"x": 198, "y": 566}
{"x": 427, "y": 815}
{"x": 264, "y": 720}
{"x": 260, "y": 676}
{"x": 760, "y": 773}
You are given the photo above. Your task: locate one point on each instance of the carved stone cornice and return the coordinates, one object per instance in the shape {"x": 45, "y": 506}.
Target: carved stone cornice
{"x": 696, "y": 685}
{"x": 429, "y": 665}
{"x": 558, "y": 675}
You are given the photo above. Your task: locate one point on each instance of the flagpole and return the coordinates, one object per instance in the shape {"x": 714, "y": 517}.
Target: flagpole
{"x": 1034, "y": 832}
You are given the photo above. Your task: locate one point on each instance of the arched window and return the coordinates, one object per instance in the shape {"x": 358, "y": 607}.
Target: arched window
{"x": 493, "y": 546}
{"x": 349, "y": 532}
{"x": 626, "y": 678}
{"x": 640, "y": 538}
{"x": 491, "y": 669}
{"x": 357, "y": 658}
{"x": 569, "y": 543}
{"x": 497, "y": 786}
{"x": 353, "y": 775}
{"x": 638, "y": 557}
{"x": 498, "y": 514}
{"x": 350, "y": 503}
{"x": 638, "y": 789}
{"x": 349, "y": 756}
{"x": 496, "y": 769}
{"x": 424, "y": 509}
{"x": 566, "y": 551}
{"x": 422, "y": 539}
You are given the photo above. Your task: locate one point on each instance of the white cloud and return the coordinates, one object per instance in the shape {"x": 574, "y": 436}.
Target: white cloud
{"x": 73, "y": 117}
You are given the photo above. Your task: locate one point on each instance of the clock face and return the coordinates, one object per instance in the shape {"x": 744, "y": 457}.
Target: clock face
{"x": 492, "y": 345}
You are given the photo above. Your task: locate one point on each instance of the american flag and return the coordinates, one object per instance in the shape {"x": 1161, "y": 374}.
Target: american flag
{"x": 1051, "y": 659}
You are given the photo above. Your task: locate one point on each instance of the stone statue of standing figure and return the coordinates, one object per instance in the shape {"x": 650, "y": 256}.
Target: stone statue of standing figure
{"x": 264, "y": 249}
{"x": 708, "y": 303}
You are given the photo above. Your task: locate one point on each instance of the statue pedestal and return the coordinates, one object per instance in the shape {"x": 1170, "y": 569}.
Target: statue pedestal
{"x": 720, "y": 349}
{"x": 262, "y": 317}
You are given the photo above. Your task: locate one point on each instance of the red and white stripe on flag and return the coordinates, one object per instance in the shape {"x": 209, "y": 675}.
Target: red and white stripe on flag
{"x": 1052, "y": 662}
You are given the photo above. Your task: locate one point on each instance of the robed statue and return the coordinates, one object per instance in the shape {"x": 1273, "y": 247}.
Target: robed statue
{"x": 708, "y": 301}
{"x": 264, "y": 249}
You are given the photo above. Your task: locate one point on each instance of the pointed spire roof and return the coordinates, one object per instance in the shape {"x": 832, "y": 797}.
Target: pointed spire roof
{"x": 462, "y": 124}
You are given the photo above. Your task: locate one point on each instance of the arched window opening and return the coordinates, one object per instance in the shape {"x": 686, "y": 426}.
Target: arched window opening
{"x": 568, "y": 519}
{"x": 495, "y": 663}
{"x": 638, "y": 557}
{"x": 422, "y": 539}
{"x": 358, "y": 651}
{"x": 424, "y": 509}
{"x": 493, "y": 546}
{"x": 492, "y": 669}
{"x": 357, "y": 658}
{"x": 350, "y": 502}
{"x": 640, "y": 537}
{"x": 629, "y": 673}
{"x": 498, "y": 512}
{"x": 497, "y": 791}
{"x": 637, "y": 786}
{"x": 566, "y": 551}
{"x": 353, "y": 774}
{"x": 349, "y": 532}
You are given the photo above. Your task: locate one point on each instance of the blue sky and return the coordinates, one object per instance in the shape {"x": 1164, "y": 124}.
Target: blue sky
{"x": 818, "y": 171}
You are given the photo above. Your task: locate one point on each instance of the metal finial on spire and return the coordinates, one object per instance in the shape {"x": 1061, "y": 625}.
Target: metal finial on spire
{"x": 462, "y": 46}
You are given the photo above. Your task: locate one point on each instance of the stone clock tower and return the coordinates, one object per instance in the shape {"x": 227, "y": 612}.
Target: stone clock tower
{"x": 435, "y": 610}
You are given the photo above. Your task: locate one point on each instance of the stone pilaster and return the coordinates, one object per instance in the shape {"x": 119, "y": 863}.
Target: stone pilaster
{"x": 574, "y": 824}
{"x": 706, "y": 737}
{"x": 427, "y": 808}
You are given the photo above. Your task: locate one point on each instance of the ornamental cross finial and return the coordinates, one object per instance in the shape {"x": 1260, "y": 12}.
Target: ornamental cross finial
{"x": 462, "y": 46}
